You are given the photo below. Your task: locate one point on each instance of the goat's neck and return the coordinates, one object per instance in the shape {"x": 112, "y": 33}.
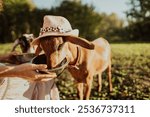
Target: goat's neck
{"x": 73, "y": 54}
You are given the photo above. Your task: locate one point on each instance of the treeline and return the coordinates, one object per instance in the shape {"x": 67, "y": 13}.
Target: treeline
{"x": 139, "y": 20}
{"x": 22, "y": 16}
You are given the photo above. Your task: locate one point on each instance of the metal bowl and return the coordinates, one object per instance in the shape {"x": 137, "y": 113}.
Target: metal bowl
{"x": 24, "y": 57}
{"x": 41, "y": 59}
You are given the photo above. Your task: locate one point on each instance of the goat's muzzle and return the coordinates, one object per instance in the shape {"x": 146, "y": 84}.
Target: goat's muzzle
{"x": 41, "y": 59}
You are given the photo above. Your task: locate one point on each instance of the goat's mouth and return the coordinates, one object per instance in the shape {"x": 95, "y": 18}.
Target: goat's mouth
{"x": 58, "y": 69}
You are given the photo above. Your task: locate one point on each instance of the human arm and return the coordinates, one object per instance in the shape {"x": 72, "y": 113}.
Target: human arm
{"x": 26, "y": 71}
{"x": 9, "y": 58}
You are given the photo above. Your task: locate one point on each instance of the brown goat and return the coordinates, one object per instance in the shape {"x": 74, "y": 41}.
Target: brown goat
{"x": 86, "y": 59}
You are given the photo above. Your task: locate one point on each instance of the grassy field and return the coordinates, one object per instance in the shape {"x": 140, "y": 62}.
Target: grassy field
{"x": 5, "y": 48}
{"x": 130, "y": 74}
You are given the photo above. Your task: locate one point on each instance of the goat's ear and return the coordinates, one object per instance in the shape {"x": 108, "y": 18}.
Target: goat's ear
{"x": 16, "y": 43}
{"x": 80, "y": 41}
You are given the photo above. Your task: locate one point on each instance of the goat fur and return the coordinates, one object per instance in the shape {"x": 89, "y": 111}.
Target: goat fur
{"x": 84, "y": 62}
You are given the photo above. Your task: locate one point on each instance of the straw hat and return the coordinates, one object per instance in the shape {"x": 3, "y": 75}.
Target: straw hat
{"x": 60, "y": 26}
{"x": 56, "y": 26}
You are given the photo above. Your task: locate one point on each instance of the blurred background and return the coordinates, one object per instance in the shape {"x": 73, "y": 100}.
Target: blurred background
{"x": 116, "y": 20}
{"x": 124, "y": 23}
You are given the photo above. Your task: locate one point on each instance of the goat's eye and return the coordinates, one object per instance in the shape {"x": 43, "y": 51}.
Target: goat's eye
{"x": 60, "y": 46}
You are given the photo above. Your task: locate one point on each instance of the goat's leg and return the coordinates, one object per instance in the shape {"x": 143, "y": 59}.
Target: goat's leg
{"x": 88, "y": 87}
{"x": 99, "y": 82}
{"x": 80, "y": 90}
{"x": 109, "y": 77}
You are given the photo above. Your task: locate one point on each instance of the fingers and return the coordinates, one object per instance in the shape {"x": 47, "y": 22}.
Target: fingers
{"x": 35, "y": 76}
{"x": 45, "y": 77}
{"x": 40, "y": 67}
{"x": 51, "y": 75}
{"x": 43, "y": 73}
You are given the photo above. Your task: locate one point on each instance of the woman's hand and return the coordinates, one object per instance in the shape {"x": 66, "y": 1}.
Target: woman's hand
{"x": 29, "y": 71}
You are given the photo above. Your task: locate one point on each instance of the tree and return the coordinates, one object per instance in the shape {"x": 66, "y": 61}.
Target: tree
{"x": 20, "y": 16}
{"x": 14, "y": 19}
{"x": 111, "y": 27}
{"x": 82, "y": 17}
{"x": 139, "y": 20}
{"x": 1, "y": 5}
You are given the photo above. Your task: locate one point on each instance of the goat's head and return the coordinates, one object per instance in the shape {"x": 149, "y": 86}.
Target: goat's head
{"x": 24, "y": 42}
{"x": 56, "y": 48}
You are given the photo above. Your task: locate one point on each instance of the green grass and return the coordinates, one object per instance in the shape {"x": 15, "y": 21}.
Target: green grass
{"x": 131, "y": 70}
{"x": 130, "y": 74}
{"x": 5, "y": 48}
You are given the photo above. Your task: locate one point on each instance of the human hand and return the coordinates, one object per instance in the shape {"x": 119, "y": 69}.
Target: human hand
{"x": 30, "y": 72}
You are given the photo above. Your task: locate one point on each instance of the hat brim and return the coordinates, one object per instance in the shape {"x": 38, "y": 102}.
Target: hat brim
{"x": 74, "y": 34}
{"x": 37, "y": 40}
{"x": 70, "y": 37}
